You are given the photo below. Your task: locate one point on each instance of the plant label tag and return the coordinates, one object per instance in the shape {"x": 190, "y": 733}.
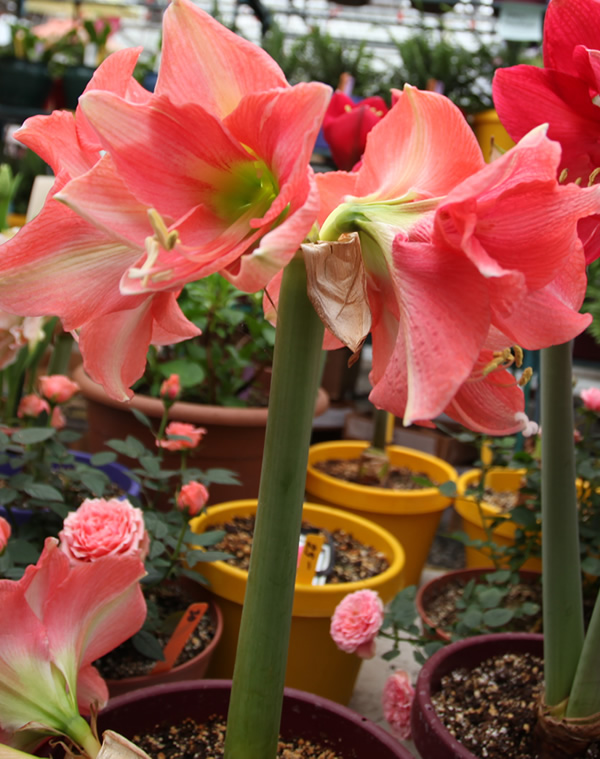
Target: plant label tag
{"x": 309, "y": 558}
{"x": 186, "y": 626}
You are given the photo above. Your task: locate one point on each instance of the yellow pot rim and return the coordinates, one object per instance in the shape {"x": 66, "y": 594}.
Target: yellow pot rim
{"x": 307, "y": 598}
{"x": 466, "y": 505}
{"x": 372, "y": 498}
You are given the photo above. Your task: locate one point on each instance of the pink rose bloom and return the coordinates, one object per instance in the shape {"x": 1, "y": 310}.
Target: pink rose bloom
{"x": 397, "y": 701}
{"x": 103, "y": 527}
{"x": 32, "y": 406}
{"x": 356, "y": 621}
{"x": 591, "y": 398}
{"x": 171, "y": 388}
{"x": 58, "y": 388}
{"x": 193, "y": 434}
{"x": 192, "y": 497}
{"x": 58, "y": 419}
{"x": 4, "y": 533}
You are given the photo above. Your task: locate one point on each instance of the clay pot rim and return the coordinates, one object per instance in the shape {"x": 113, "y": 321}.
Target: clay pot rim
{"x": 424, "y": 719}
{"x": 319, "y": 702}
{"x": 200, "y": 413}
{"x": 427, "y": 588}
{"x": 139, "y": 681}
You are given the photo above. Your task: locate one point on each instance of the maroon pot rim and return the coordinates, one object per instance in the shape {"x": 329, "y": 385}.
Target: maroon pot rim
{"x": 427, "y": 729}
{"x": 139, "y": 681}
{"x": 290, "y": 694}
{"x": 426, "y": 590}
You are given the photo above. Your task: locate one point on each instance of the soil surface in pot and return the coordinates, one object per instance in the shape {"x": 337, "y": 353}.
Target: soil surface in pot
{"x": 189, "y": 740}
{"x": 368, "y": 471}
{"x": 170, "y": 602}
{"x": 492, "y": 709}
{"x": 353, "y": 561}
{"x": 442, "y": 610}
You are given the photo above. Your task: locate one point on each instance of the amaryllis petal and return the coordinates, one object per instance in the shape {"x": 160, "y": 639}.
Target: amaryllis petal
{"x": 114, "y": 347}
{"x": 91, "y": 689}
{"x": 407, "y": 152}
{"x": 205, "y": 63}
{"x": 566, "y": 25}
{"x": 334, "y": 186}
{"x": 433, "y": 353}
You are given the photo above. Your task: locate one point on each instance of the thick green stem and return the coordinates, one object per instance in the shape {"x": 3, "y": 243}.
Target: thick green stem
{"x": 380, "y": 425}
{"x": 258, "y": 679}
{"x": 562, "y": 595}
{"x": 585, "y": 694}
{"x": 61, "y": 354}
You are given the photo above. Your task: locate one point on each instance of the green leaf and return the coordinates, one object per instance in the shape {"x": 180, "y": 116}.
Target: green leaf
{"x": 142, "y": 418}
{"x": 23, "y": 552}
{"x": 194, "y": 557}
{"x": 472, "y": 619}
{"x": 7, "y": 495}
{"x": 33, "y": 435}
{"x": 45, "y": 492}
{"x": 590, "y": 565}
{"x": 499, "y": 577}
{"x": 389, "y": 655}
{"x": 448, "y": 489}
{"x": 490, "y": 598}
{"x": 190, "y": 374}
{"x": 193, "y": 575}
{"x": 205, "y": 538}
{"x": 58, "y": 508}
{"x": 131, "y": 447}
{"x": 221, "y": 477}
{"x": 68, "y": 436}
{"x": 497, "y": 617}
{"x": 529, "y": 609}
{"x": 95, "y": 481}
{"x": 102, "y": 458}
{"x": 147, "y": 645}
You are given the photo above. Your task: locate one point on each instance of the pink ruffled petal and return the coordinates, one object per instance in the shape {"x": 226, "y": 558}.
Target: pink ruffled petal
{"x": 204, "y": 62}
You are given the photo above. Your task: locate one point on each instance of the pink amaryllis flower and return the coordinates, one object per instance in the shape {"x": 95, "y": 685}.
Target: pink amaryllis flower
{"x": 565, "y": 94}
{"x": 60, "y": 264}
{"x": 56, "y": 620}
{"x": 460, "y": 261}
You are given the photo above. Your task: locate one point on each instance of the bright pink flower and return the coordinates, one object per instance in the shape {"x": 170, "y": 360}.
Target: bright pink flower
{"x": 57, "y": 419}
{"x": 171, "y": 387}
{"x": 55, "y": 622}
{"x": 356, "y": 621}
{"x": 565, "y": 94}
{"x": 591, "y": 398}
{"x": 397, "y": 699}
{"x": 346, "y": 125}
{"x": 61, "y": 264}
{"x": 32, "y": 406}
{"x": 58, "y": 388}
{"x": 5, "y": 532}
{"x": 435, "y": 222}
{"x": 188, "y": 436}
{"x": 101, "y": 527}
{"x": 192, "y": 498}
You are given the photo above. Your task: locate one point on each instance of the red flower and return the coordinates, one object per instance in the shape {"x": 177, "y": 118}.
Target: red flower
{"x": 346, "y": 125}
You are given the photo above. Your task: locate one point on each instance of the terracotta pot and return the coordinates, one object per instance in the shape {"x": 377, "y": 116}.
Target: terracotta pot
{"x": 412, "y": 516}
{"x": 500, "y": 479}
{"x": 430, "y": 736}
{"x": 194, "y": 669}
{"x": 331, "y": 673}
{"x": 304, "y": 715}
{"x": 235, "y": 436}
{"x": 430, "y": 590}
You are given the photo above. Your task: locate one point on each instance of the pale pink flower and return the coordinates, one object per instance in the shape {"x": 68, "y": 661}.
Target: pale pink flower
{"x": 356, "y": 621}
{"x": 193, "y": 435}
{"x": 58, "y": 388}
{"x": 32, "y": 406}
{"x": 4, "y": 533}
{"x": 192, "y": 497}
{"x": 171, "y": 388}
{"x": 103, "y": 527}
{"x": 58, "y": 419}
{"x": 591, "y": 398}
{"x": 397, "y": 699}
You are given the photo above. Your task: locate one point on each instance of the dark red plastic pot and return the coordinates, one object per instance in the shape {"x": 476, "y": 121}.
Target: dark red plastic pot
{"x": 431, "y": 589}
{"x": 430, "y": 736}
{"x": 304, "y": 715}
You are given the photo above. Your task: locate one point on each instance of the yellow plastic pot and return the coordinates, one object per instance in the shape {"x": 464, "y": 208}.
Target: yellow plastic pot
{"x": 412, "y": 516}
{"x": 489, "y": 130}
{"x": 466, "y": 506}
{"x": 315, "y": 664}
